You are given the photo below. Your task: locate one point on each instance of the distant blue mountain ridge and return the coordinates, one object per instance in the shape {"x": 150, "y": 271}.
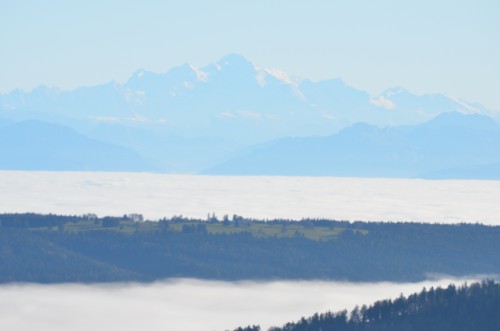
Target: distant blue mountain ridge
{"x": 35, "y": 145}
{"x": 233, "y": 117}
{"x": 452, "y": 145}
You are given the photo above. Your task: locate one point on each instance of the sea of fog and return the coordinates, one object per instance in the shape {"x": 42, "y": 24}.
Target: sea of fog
{"x": 184, "y": 304}
{"x": 160, "y": 195}
{"x": 196, "y": 305}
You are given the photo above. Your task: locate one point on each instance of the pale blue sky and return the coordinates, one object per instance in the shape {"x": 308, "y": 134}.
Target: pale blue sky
{"x": 424, "y": 46}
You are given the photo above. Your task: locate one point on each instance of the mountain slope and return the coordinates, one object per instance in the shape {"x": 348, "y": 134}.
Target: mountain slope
{"x": 176, "y": 153}
{"x": 469, "y": 307}
{"x": 35, "y": 145}
{"x": 28, "y": 257}
{"x": 449, "y": 141}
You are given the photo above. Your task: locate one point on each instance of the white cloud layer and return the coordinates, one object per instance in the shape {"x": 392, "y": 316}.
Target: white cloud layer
{"x": 183, "y": 304}
{"x": 195, "y": 305}
{"x": 157, "y": 195}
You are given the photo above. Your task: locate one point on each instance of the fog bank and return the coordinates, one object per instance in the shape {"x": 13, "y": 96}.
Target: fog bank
{"x": 184, "y": 304}
{"x": 159, "y": 195}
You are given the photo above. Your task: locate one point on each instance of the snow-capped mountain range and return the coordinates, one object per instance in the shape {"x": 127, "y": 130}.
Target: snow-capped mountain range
{"x": 232, "y": 117}
{"x": 228, "y": 98}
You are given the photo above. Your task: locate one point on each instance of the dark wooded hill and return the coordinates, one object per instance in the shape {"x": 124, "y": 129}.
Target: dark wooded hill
{"x": 53, "y": 249}
{"x": 466, "y": 308}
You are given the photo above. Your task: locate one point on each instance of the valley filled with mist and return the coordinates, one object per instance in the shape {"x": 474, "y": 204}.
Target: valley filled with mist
{"x": 261, "y": 265}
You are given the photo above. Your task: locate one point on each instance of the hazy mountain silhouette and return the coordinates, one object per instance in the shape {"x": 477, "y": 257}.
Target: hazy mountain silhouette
{"x": 450, "y": 141}
{"x": 188, "y": 119}
{"x": 35, "y": 145}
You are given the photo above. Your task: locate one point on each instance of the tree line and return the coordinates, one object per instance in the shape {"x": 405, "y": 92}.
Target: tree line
{"x": 464, "y": 308}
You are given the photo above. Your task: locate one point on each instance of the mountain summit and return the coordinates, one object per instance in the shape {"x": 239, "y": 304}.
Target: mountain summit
{"x": 228, "y": 98}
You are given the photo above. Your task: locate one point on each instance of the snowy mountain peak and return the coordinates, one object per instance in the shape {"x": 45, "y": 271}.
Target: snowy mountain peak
{"x": 231, "y": 62}
{"x": 234, "y": 59}
{"x": 192, "y": 98}
{"x": 394, "y": 91}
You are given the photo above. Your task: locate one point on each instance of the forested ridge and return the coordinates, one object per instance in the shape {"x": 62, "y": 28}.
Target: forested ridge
{"x": 474, "y": 307}
{"x": 57, "y": 248}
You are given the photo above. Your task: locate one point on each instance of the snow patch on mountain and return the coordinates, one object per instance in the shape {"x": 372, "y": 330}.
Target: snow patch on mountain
{"x": 281, "y": 75}
{"x": 382, "y": 101}
{"x": 200, "y": 74}
{"x": 261, "y": 78}
{"x": 467, "y": 108}
{"x": 394, "y": 91}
